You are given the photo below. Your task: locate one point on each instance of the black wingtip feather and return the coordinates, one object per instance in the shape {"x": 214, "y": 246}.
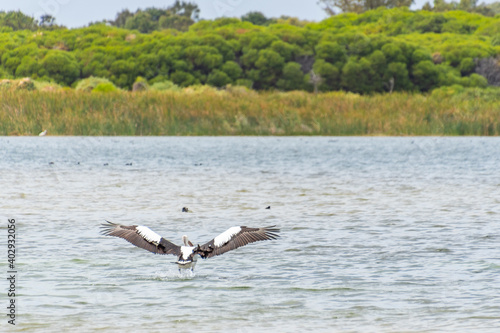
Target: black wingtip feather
{"x": 107, "y": 228}
{"x": 272, "y": 232}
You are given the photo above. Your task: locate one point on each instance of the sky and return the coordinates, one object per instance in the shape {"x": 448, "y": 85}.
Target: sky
{"x": 77, "y": 13}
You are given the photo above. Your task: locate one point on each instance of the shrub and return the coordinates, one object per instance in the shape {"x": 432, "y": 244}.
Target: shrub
{"x": 245, "y": 83}
{"x": 91, "y": 83}
{"x": 105, "y": 87}
{"x": 467, "y": 66}
{"x": 26, "y": 84}
{"x": 476, "y": 80}
{"x": 140, "y": 84}
{"x": 165, "y": 85}
{"x": 5, "y": 84}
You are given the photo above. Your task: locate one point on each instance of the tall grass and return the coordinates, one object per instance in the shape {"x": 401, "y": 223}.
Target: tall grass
{"x": 243, "y": 112}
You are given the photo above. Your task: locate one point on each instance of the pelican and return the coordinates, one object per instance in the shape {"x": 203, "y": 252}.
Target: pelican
{"x": 233, "y": 238}
{"x": 44, "y": 133}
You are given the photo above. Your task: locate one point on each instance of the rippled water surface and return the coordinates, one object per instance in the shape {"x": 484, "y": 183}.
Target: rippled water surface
{"x": 377, "y": 234}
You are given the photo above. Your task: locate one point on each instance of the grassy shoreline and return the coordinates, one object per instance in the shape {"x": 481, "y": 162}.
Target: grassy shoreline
{"x": 243, "y": 112}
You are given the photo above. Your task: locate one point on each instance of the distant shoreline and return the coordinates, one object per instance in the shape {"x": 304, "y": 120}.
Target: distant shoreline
{"x": 241, "y": 112}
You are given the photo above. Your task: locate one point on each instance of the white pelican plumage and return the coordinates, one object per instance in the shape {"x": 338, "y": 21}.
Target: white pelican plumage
{"x": 233, "y": 238}
{"x": 44, "y": 133}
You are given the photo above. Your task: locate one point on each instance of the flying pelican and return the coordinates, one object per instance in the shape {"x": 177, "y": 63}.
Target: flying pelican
{"x": 44, "y": 133}
{"x": 188, "y": 254}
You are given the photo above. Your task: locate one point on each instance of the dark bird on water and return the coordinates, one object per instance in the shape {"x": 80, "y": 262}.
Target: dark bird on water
{"x": 185, "y": 209}
{"x": 188, "y": 254}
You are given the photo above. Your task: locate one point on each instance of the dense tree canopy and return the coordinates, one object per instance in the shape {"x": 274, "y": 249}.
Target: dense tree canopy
{"x": 379, "y": 50}
{"x": 17, "y": 21}
{"x": 179, "y": 16}
{"x": 360, "y": 6}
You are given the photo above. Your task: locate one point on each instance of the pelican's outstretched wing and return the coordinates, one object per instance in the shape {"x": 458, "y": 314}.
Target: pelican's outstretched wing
{"x": 141, "y": 236}
{"x": 235, "y": 237}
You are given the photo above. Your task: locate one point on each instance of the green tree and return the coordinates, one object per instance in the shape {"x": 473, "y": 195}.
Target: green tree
{"x": 432, "y": 23}
{"x": 218, "y": 78}
{"x": 331, "y": 52}
{"x": 477, "y": 80}
{"x": 141, "y": 21}
{"x": 148, "y": 66}
{"x": 123, "y": 73}
{"x": 358, "y": 76}
{"x": 183, "y": 79}
{"x": 12, "y": 59}
{"x": 204, "y": 58}
{"x": 17, "y": 21}
{"x": 378, "y": 65}
{"x": 420, "y": 55}
{"x": 330, "y": 75}
{"x": 186, "y": 9}
{"x": 269, "y": 66}
{"x": 232, "y": 69}
{"x": 96, "y": 63}
{"x": 181, "y": 23}
{"x": 259, "y": 40}
{"x": 28, "y": 67}
{"x": 393, "y": 53}
{"x": 227, "y": 49}
{"x": 256, "y": 18}
{"x": 356, "y": 44}
{"x": 181, "y": 65}
{"x": 398, "y": 73}
{"x": 292, "y": 78}
{"x": 249, "y": 58}
{"x": 181, "y": 15}
{"x": 425, "y": 75}
{"x": 359, "y": 6}
{"x": 467, "y": 66}
{"x": 284, "y": 49}
{"x": 60, "y": 66}
{"x": 121, "y": 18}
{"x": 47, "y": 20}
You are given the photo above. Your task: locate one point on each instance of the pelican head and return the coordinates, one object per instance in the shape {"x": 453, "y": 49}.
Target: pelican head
{"x": 186, "y": 241}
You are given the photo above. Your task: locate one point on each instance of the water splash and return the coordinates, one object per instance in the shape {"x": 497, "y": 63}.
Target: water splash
{"x": 173, "y": 275}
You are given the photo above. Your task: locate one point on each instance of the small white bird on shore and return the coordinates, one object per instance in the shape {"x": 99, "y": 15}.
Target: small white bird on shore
{"x": 44, "y": 133}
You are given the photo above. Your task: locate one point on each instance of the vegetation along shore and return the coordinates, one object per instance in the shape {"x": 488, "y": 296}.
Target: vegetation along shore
{"x": 240, "y": 111}
{"x": 165, "y": 72}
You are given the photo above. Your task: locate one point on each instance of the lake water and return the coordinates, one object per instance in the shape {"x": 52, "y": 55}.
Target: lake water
{"x": 377, "y": 234}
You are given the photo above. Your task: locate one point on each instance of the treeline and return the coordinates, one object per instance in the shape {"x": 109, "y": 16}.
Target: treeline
{"x": 360, "y": 6}
{"x": 179, "y": 16}
{"x": 16, "y": 20}
{"x": 379, "y": 50}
